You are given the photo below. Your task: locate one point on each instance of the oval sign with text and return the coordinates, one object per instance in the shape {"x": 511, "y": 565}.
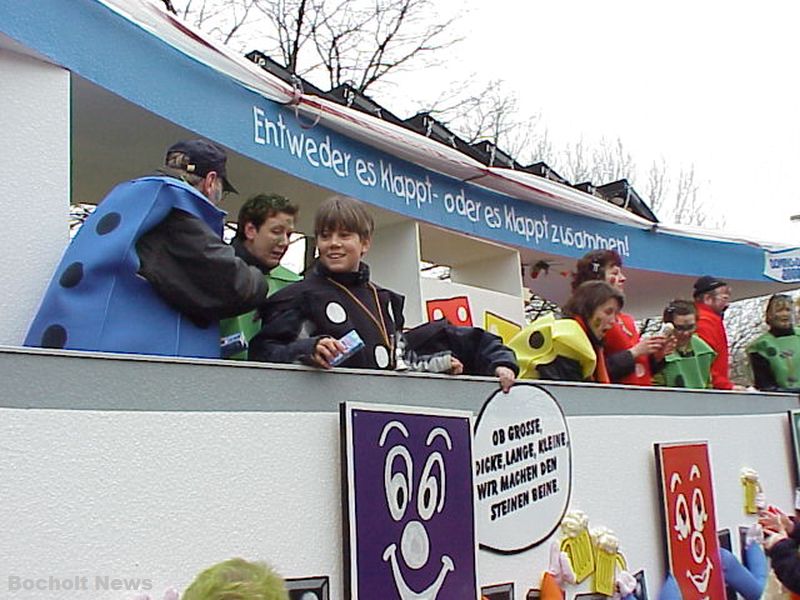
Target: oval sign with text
{"x": 522, "y": 467}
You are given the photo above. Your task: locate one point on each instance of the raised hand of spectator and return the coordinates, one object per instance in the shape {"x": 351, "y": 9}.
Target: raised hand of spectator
{"x": 775, "y": 521}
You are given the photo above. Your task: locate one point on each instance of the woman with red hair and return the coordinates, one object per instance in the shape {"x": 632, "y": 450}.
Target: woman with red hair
{"x": 630, "y": 358}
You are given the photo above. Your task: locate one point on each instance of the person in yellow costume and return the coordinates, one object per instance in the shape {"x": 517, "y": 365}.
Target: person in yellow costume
{"x": 570, "y": 349}
{"x": 266, "y": 222}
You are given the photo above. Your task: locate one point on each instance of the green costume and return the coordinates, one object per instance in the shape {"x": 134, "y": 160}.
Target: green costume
{"x": 249, "y": 324}
{"x": 690, "y": 369}
{"x": 547, "y": 338}
{"x": 783, "y": 355}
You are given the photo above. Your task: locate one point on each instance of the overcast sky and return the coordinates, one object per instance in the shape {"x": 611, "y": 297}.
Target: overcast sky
{"x": 708, "y": 83}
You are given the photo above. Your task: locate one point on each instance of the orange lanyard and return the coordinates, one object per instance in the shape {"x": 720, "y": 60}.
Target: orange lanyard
{"x": 380, "y": 325}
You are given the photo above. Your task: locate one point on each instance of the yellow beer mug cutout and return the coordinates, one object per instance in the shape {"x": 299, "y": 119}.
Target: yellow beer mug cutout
{"x": 577, "y": 544}
{"x": 753, "y": 494}
{"x": 607, "y": 558}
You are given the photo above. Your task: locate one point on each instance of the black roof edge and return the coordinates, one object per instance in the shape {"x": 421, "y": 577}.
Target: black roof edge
{"x": 426, "y": 124}
{"x": 349, "y": 96}
{"x": 589, "y": 188}
{"x": 542, "y": 169}
{"x": 492, "y": 156}
{"x": 621, "y": 193}
{"x": 272, "y": 66}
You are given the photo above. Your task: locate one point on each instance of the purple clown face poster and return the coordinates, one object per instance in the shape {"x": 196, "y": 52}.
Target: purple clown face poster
{"x": 408, "y": 505}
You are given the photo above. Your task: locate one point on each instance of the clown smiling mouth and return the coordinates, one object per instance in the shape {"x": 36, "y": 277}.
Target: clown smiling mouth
{"x": 700, "y": 581}
{"x": 406, "y": 593}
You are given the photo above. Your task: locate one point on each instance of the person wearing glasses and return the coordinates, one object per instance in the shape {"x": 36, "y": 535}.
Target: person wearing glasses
{"x": 712, "y": 296}
{"x": 775, "y": 355}
{"x": 148, "y": 272}
{"x": 689, "y": 365}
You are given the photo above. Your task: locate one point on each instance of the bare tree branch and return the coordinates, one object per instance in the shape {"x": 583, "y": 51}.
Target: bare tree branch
{"x": 685, "y": 207}
{"x": 577, "y": 166}
{"x": 170, "y": 8}
{"x": 295, "y": 42}
{"x": 239, "y": 20}
{"x": 356, "y": 41}
{"x": 492, "y": 114}
{"x": 657, "y": 182}
{"x": 363, "y": 41}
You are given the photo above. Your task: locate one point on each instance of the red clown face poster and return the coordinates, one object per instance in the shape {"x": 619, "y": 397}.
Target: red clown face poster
{"x": 455, "y": 310}
{"x": 687, "y": 496}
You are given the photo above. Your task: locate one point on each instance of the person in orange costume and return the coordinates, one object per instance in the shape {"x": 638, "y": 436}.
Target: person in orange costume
{"x": 630, "y": 358}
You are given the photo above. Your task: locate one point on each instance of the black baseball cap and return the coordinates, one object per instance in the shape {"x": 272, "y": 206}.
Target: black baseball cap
{"x": 204, "y": 157}
{"x": 706, "y": 284}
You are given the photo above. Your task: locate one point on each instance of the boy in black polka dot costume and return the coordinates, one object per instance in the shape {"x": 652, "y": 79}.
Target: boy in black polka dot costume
{"x": 305, "y": 321}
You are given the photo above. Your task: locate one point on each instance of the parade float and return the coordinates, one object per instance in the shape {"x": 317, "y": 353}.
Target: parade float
{"x": 128, "y": 474}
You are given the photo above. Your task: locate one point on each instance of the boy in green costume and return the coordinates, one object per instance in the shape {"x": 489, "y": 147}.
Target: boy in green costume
{"x": 689, "y": 365}
{"x": 265, "y": 224}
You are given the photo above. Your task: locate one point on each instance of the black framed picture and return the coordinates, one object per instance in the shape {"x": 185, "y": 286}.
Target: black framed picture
{"x": 641, "y": 586}
{"x": 725, "y": 541}
{"x": 794, "y": 430}
{"x": 308, "y": 588}
{"x": 500, "y": 591}
{"x": 590, "y": 596}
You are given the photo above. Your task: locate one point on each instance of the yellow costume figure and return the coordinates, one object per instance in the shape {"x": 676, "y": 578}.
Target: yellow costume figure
{"x": 547, "y": 338}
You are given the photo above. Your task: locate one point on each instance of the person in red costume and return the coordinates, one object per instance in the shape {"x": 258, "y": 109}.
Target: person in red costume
{"x": 712, "y": 297}
{"x": 630, "y": 358}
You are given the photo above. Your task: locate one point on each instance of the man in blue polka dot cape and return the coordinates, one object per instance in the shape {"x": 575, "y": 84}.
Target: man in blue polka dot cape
{"x": 148, "y": 272}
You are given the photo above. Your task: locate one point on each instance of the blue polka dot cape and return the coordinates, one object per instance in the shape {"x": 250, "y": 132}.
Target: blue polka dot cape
{"x": 96, "y": 299}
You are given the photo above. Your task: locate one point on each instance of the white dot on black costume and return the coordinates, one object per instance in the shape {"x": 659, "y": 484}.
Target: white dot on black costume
{"x": 54, "y": 336}
{"x": 108, "y": 223}
{"x": 381, "y": 357}
{"x": 390, "y": 312}
{"x": 335, "y": 312}
{"x": 72, "y": 275}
